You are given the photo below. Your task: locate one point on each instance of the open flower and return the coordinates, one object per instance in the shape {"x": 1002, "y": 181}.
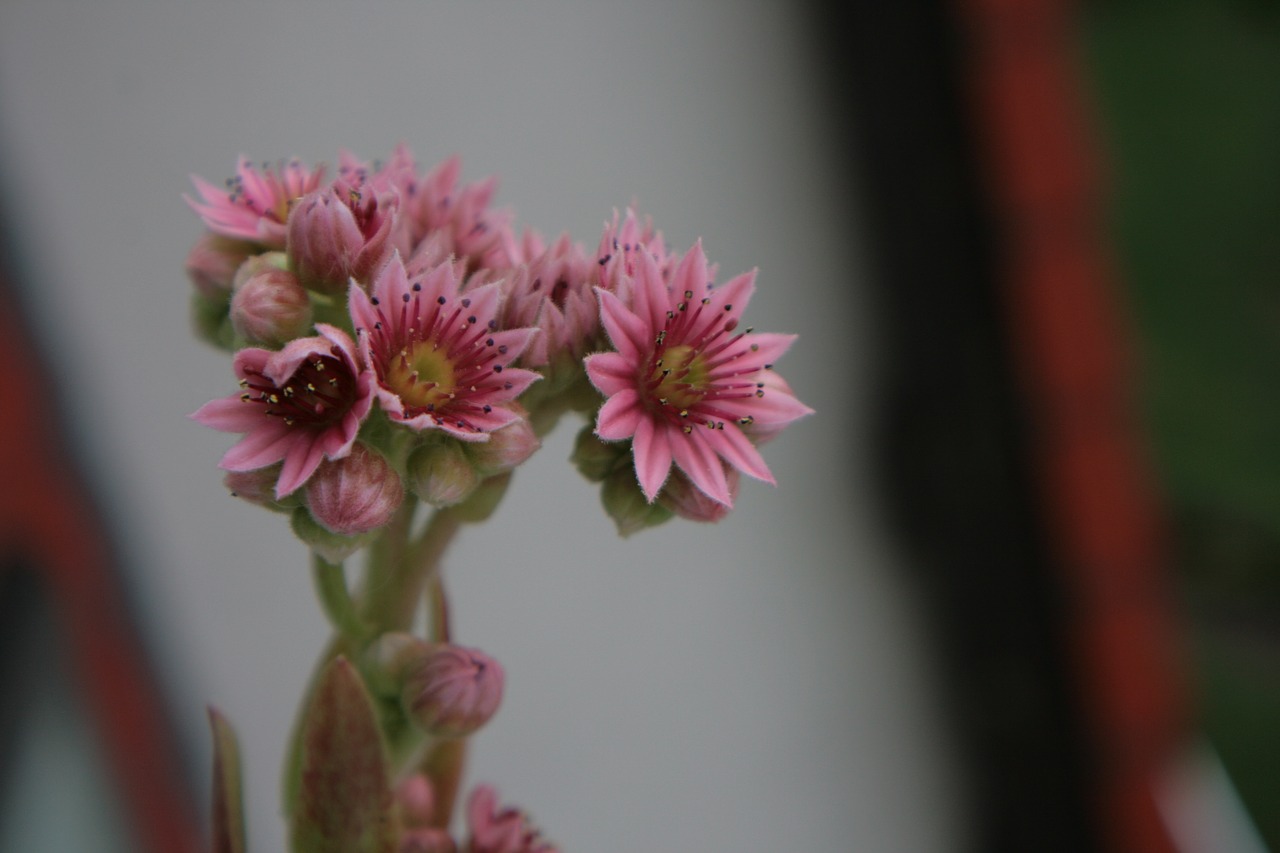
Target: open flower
{"x": 553, "y": 292}
{"x": 298, "y": 406}
{"x": 440, "y": 359}
{"x": 462, "y": 214}
{"x": 495, "y": 830}
{"x": 683, "y": 383}
{"x": 255, "y": 205}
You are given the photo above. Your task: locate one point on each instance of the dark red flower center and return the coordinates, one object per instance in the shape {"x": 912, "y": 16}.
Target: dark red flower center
{"x": 318, "y": 393}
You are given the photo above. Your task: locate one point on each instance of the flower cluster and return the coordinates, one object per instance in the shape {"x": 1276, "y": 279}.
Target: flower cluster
{"x": 395, "y": 335}
{"x": 396, "y": 342}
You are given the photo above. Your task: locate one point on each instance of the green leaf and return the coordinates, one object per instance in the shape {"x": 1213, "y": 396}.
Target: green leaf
{"x": 344, "y": 800}
{"x": 228, "y": 800}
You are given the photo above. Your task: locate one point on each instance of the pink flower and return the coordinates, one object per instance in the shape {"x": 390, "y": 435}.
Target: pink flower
{"x": 255, "y": 205}
{"x": 437, "y": 204}
{"x": 621, "y": 245}
{"x": 298, "y": 406}
{"x": 682, "y": 385}
{"x": 505, "y": 831}
{"x": 440, "y": 359}
{"x": 553, "y": 292}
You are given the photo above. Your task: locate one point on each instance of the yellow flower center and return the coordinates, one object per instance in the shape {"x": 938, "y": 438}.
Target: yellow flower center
{"x": 679, "y": 378}
{"x": 422, "y": 376}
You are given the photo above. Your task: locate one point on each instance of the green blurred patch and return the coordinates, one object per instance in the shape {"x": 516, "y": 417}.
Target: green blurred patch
{"x": 1187, "y": 94}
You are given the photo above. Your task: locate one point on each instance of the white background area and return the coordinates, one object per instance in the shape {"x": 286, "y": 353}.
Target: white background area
{"x": 758, "y": 685}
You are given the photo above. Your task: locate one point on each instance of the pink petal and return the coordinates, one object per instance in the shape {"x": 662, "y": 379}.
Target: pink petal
{"x": 264, "y": 446}
{"x": 392, "y": 282}
{"x": 750, "y": 354}
{"x": 774, "y": 408}
{"x": 691, "y": 276}
{"x": 518, "y": 378}
{"x": 649, "y": 296}
{"x": 283, "y": 364}
{"x": 515, "y": 340}
{"x": 628, "y": 333}
{"x": 229, "y": 414}
{"x": 484, "y": 301}
{"x": 651, "y": 448}
{"x": 610, "y": 372}
{"x": 302, "y": 460}
{"x": 363, "y": 315}
{"x": 619, "y": 416}
{"x": 736, "y": 449}
{"x": 732, "y": 297}
{"x": 699, "y": 461}
{"x": 496, "y": 418}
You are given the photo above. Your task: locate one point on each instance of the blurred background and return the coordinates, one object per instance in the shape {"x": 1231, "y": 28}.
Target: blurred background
{"x": 1018, "y": 587}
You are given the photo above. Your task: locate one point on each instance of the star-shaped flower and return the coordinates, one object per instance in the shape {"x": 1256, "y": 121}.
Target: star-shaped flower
{"x": 440, "y": 358}
{"x": 683, "y": 383}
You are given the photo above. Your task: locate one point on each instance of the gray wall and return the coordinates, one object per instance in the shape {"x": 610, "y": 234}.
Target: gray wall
{"x": 757, "y": 685}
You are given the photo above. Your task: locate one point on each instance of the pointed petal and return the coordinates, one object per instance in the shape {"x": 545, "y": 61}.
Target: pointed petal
{"x": 649, "y": 296}
{"x": 619, "y": 416}
{"x": 775, "y": 407}
{"x": 749, "y": 354}
{"x": 691, "y": 275}
{"x": 732, "y": 296}
{"x": 482, "y": 302}
{"x": 229, "y": 414}
{"x": 738, "y": 451}
{"x": 610, "y": 372}
{"x": 497, "y": 391}
{"x": 264, "y": 446}
{"x": 651, "y": 448}
{"x": 627, "y": 332}
{"x": 302, "y": 460}
{"x": 363, "y": 315}
{"x": 699, "y": 461}
{"x": 515, "y": 341}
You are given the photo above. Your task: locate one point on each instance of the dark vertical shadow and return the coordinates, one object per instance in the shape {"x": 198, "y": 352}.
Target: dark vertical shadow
{"x": 952, "y": 446}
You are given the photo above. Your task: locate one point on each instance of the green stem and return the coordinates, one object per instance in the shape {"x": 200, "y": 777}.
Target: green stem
{"x": 335, "y": 598}
{"x": 391, "y": 596}
{"x": 397, "y": 570}
{"x": 437, "y": 611}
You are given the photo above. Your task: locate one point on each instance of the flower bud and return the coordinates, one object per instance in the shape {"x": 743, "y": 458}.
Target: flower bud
{"x": 389, "y": 659}
{"x": 596, "y": 459}
{"x": 626, "y": 504}
{"x": 332, "y": 547}
{"x": 415, "y": 801}
{"x": 323, "y": 240}
{"x": 506, "y": 448}
{"x": 686, "y": 500}
{"x": 425, "y": 839}
{"x": 453, "y": 692}
{"x": 333, "y": 237}
{"x": 440, "y": 474}
{"x": 270, "y": 307}
{"x": 212, "y": 263}
{"x": 356, "y": 494}
{"x": 484, "y": 500}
